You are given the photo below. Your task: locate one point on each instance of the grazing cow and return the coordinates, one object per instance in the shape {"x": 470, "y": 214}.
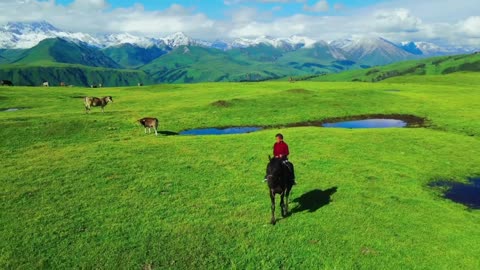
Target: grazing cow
{"x": 97, "y": 102}
{"x": 45, "y": 84}
{"x": 6, "y": 82}
{"x": 149, "y": 122}
{"x": 63, "y": 84}
{"x": 140, "y": 84}
{"x": 94, "y": 86}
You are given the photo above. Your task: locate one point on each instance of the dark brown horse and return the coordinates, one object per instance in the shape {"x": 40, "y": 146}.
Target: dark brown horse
{"x": 279, "y": 180}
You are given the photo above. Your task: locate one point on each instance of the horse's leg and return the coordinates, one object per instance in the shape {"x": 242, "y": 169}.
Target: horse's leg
{"x": 103, "y": 111}
{"x": 282, "y": 204}
{"x": 145, "y": 130}
{"x": 156, "y": 132}
{"x": 287, "y": 194}
{"x": 272, "y": 198}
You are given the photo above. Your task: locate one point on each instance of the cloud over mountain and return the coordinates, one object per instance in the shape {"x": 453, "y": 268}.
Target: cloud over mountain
{"x": 397, "y": 20}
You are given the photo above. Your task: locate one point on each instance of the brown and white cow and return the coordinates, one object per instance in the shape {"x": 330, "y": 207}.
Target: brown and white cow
{"x": 149, "y": 122}
{"x": 97, "y": 102}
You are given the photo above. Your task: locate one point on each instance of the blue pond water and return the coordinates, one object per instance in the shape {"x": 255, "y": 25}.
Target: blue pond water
{"x": 368, "y": 123}
{"x": 220, "y": 131}
{"x": 465, "y": 193}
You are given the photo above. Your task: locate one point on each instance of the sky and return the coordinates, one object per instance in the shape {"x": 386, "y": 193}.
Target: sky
{"x": 445, "y": 22}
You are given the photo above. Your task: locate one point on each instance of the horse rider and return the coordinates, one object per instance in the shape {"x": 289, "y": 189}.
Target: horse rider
{"x": 280, "y": 150}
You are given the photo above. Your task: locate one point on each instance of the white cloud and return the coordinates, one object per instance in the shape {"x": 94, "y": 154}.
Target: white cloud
{"x": 320, "y": 6}
{"x": 397, "y": 20}
{"x": 471, "y": 26}
{"x": 89, "y": 4}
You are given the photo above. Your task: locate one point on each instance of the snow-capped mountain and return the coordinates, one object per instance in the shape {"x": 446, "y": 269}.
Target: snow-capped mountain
{"x": 111, "y": 40}
{"x": 180, "y": 39}
{"x": 371, "y": 49}
{"x": 291, "y": 43}
{"x": 22, "y": 35}
{"x": 430, "y": 49}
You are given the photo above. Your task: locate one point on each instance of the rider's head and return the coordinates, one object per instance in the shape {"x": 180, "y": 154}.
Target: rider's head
{"x": 279, "y": 137}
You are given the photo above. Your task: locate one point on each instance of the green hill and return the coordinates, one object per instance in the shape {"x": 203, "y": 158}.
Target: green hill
{"x": 72, "y": 75}
{"x": 195, "y": 64}
{"x": 319, "y": 59}
{"x": 8, "y": 56}
{"x": 57, "y": 50}
{"x": 429, "y": 66}
{"x": 130, "y": 56}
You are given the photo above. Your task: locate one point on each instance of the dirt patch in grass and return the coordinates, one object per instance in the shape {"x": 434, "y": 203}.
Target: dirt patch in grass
{"x": 299, "y": 91}
{"x": 225, "y": 103}
{"x": 221, "y": 104}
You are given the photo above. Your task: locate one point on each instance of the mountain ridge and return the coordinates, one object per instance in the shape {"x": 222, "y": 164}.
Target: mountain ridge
{"x": 24, "y": 35}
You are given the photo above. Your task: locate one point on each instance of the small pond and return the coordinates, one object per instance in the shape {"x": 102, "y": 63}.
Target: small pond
{"x": 467, "y": 194}
{"x": 220, "y": 131}
{"x": 367, "y": 123}
{"x": 359, "y": 121}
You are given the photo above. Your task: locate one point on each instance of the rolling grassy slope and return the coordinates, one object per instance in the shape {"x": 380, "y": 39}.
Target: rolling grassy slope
{"x": 196, "y": 64}
{"x": 130, "y": 56}
{"x": 92, "y": 191}
{"x": 52, "y": 51}
{"x": 262, "y": 62}
{"x": 72, "y": 75}
{"x": 8, "y": 56}
{"x": 431, "y": 66}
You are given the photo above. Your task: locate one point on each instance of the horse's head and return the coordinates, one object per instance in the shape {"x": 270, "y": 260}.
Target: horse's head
{"x": 109, "y": 99}
{"x": 274, "y": 168}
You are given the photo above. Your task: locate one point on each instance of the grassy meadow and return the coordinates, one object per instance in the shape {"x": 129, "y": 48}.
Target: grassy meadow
{"x": 93, "y": 191}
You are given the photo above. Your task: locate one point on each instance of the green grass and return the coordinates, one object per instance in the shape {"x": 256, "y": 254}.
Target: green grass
{"x": 92, "y": 191}
{"x": 71, "y": 74}
{"x": 430, "y": 66}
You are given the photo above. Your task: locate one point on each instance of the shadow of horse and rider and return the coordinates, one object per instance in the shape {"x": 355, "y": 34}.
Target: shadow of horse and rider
{"x": 280, "y": 180}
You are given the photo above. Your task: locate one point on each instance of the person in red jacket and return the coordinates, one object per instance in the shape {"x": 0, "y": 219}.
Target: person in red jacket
{"x": 280, "y": 150}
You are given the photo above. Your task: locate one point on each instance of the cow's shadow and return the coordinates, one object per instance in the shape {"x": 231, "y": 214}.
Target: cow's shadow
{"x": 168, "y": 133}
{"x": 313, "y": 200}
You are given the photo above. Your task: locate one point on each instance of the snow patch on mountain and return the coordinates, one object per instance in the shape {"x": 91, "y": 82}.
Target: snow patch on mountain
{"x": 291, "y": 43}
{"x": 24, "y": 35}
{"x": 20, "y": 35}
{"x": 111, "y": 40}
